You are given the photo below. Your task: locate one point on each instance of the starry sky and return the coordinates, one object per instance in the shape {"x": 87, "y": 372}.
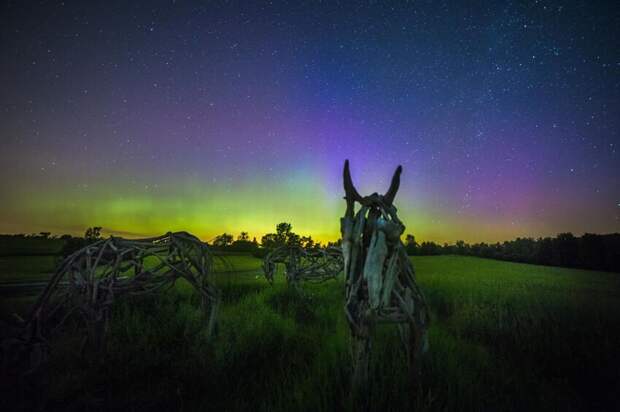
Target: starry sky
{"x": 149, "y": 116}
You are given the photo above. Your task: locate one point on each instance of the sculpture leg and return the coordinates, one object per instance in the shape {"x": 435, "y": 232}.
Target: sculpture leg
{"x": 97, "y": 329}
{"x": 360, "y": 347}
{"x": 211, "y": 307}
{"x": 416, "y": 341}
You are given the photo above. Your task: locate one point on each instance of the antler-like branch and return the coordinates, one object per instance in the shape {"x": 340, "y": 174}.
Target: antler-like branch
{"x": 350, "y": 193}
{"x": 391, "y": 193}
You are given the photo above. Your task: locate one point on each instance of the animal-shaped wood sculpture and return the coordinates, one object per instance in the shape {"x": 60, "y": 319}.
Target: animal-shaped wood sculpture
{"x": 380, "y": 280}
{"x": 89, "y": 282}
{"x": 313, "y": 264}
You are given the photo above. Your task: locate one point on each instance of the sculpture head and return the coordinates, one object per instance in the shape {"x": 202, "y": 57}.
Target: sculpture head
{"x": 380, "y": 207}
{"x": 375, "y": 199}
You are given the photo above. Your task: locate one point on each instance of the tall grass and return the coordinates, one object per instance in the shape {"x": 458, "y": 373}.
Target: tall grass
{"x": 504, "y": 336}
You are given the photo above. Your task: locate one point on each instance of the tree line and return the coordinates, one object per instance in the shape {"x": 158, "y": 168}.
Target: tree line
{"x": 590, "y": 251}
{"x": 283, "y": 236}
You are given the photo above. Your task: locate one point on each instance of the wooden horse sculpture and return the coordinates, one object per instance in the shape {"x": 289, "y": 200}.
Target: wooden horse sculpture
{"x": 380, "y": 280}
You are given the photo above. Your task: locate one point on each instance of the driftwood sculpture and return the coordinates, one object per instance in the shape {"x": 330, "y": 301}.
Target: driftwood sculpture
{"x": 88, "y": 282}
{"x": 380, "y": 281}
{"x": 304, "y": 264}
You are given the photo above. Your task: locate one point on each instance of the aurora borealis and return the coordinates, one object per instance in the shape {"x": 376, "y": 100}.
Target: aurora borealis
{"x": 144, "y": 117}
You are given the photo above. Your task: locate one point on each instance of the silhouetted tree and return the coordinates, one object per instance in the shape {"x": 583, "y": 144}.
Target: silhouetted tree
{"x": 430, "y": 248}
{"x": 284, "y": 236}
{"x": 411, "y": 246}
{"x": 461, "y": 248}
{"x": 337, "y": 243}
{"x": 223, "y": 240}
{"x": 565, "y": 250}
{"x": 589, "y": 251}
{"x": 73, "y": 244}
{"x": 307, "y": 242}
{"x": 93, "y": 234}
{"x": 269, "y": 241}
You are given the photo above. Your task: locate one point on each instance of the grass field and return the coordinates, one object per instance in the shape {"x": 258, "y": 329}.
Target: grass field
{"x": 26, "y": 268}
{"x": 504, "y": 336}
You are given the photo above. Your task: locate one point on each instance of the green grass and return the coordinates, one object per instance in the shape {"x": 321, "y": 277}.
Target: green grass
{"x": 504, "y": 336}
{"x": 26, "y": 268}
{"x": 236, "y": 263}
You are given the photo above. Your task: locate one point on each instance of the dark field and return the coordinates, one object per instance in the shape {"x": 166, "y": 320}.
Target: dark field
{"x": 504, "y": 336}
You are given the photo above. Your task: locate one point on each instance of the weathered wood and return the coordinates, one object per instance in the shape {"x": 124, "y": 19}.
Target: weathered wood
{"x": 304, "y": 264}
{"x": 373, "y": 268}
{"x": 380, "y": 280}
{"x": 88, "y": 282}
{"x": 390, "y": 279}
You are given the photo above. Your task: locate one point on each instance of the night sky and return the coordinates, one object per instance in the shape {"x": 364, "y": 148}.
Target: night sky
{"x": 144, "y": 117}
